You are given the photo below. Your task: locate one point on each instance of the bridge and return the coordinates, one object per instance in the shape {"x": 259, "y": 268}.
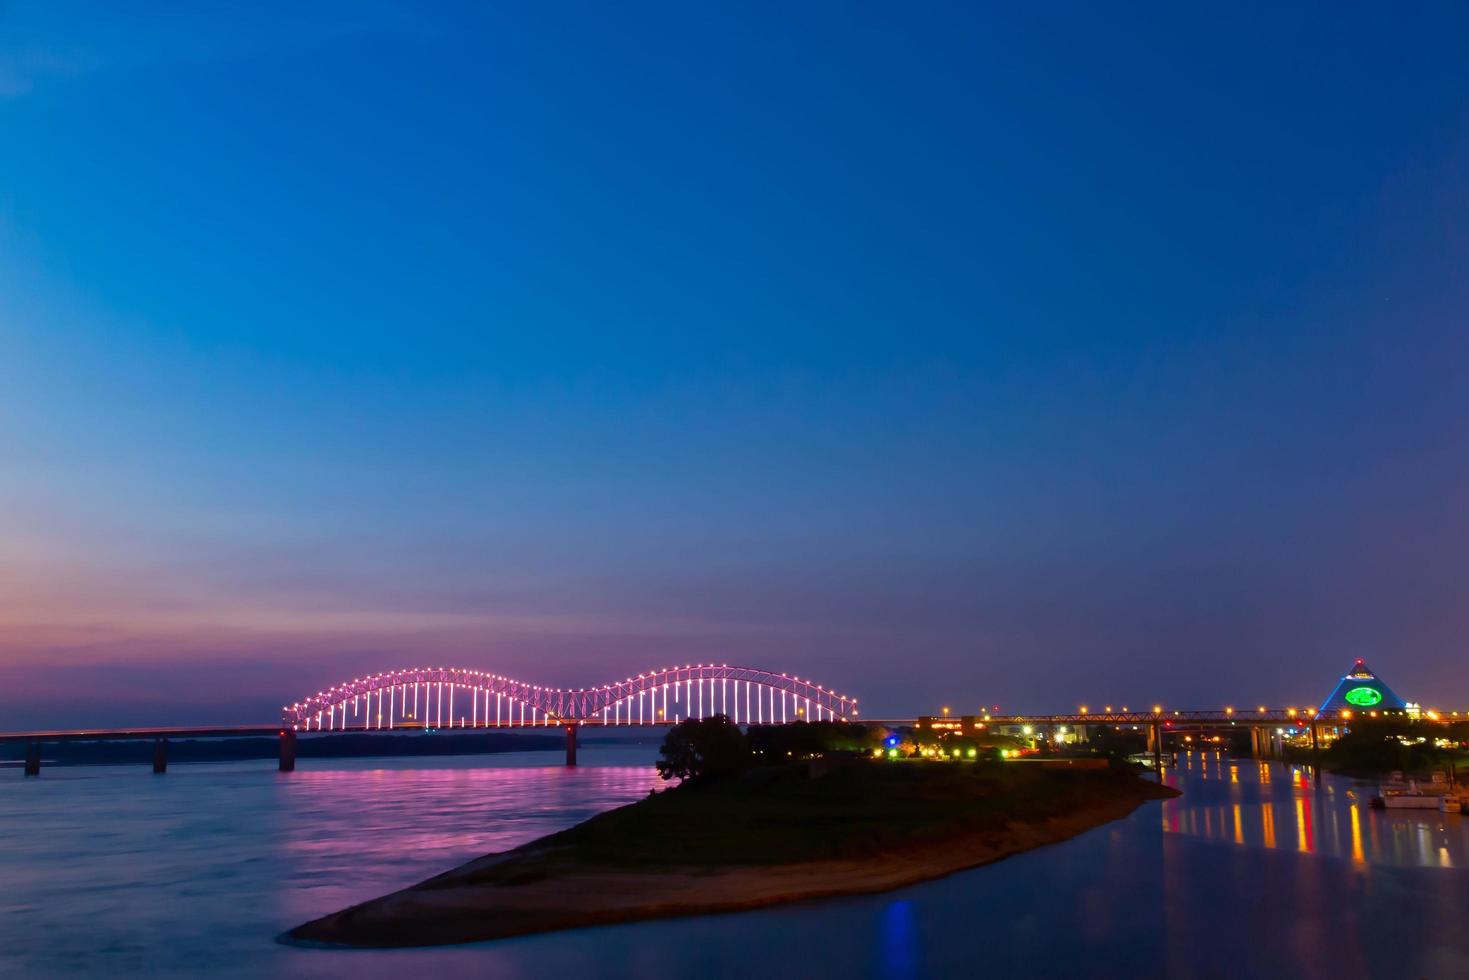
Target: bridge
{"x": 1260, "y": 722}
{"x": 442, "y": 698}
{"x": 447, "y": 698}
{"x": 747, "y": 695}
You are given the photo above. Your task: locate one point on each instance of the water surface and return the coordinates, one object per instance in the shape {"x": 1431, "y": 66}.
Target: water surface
{"x": 1255, "y": 871}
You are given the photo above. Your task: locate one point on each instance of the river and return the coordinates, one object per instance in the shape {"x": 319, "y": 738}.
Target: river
{"x": 1254, "y": 871}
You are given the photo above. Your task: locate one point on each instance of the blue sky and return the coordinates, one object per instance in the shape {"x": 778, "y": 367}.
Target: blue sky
{"x": 1003, "y": 355}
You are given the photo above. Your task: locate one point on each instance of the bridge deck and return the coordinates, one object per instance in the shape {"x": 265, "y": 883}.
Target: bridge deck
{"x": 120, "y": 734}
{"x": 275, "y": 731}
{"x": 1270, "y": 716}
{"x": 1174, "y": 719}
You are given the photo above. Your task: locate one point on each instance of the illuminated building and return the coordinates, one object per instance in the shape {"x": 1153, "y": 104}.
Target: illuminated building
{"x": 1360, "y": 690}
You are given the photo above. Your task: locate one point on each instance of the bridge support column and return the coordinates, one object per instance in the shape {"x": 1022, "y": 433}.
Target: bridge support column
{"x": 1315, "y": 755}
{"x": 160, "y": 756}
{"x": 571, "y": 745}
{"x": 1155, "y": 737}
{"x": 1268, "y": 745}
{"x": 288, "y": 750}
{"x": 33, "y": 759}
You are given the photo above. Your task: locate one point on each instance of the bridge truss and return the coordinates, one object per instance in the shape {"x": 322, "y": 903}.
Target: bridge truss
{"x": 1171, "y": 718}
{"x": 452, "y": 697}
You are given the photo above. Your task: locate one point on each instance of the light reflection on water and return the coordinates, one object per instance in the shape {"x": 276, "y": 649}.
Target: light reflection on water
{"x": 110, "y": 869}
{"x": 1255, "y": 871}
{"x": 1251, "y": 803}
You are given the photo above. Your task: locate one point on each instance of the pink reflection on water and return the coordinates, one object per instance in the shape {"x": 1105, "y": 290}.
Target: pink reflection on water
{"x": 347, "y": 835}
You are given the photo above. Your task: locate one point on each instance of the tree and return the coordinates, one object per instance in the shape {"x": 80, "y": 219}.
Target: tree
{"x": 777, "y": 744}
{"x": 712, "y": 746}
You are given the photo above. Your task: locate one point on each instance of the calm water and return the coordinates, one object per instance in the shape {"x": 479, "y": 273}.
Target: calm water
{"x": 1253, "y": 872}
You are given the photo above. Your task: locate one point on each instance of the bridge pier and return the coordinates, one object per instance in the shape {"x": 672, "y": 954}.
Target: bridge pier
{"x": 160, "y": 756}
{"x": 1315, "y": 755}
{"x": 1155, "y": 742}
{"x": 33, "y": 759}
{"x": 1267, "y": 746}
{"x": 571, "y": 745}
{"x": 288, "y": 750}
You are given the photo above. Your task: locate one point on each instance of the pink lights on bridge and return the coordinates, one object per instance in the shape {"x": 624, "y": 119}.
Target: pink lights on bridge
{"x": 426, "y": 698}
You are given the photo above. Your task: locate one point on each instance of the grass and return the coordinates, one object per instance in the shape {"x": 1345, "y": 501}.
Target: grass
{"x": 778, "y": 816}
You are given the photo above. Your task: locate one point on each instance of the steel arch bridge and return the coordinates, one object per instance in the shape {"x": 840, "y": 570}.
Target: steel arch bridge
{"x": 454, "y": 697}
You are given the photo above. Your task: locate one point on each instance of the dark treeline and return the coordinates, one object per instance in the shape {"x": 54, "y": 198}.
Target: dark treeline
{"x": 1380, "y": 746}
{"x": 344, "y": 746}
{"x": 774, "y": 744}
{"x": 716, "y": 746}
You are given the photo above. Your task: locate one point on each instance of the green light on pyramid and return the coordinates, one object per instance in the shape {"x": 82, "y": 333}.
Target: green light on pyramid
{"x": 1363, "y": 697}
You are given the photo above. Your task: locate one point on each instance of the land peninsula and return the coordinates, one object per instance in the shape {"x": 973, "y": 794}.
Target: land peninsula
{"x": 731, "y": 841}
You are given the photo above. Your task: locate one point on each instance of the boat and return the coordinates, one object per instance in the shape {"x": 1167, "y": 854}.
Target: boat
{"x": 1405, "y": 794}
{"x": 1410, "y": 801}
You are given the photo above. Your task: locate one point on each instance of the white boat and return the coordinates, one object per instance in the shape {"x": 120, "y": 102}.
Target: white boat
{"x": 1413, "y": 801}
{"x": 1400, "y": 794}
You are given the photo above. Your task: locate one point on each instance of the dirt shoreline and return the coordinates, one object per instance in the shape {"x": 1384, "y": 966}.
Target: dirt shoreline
{"x": 456, "y": 908}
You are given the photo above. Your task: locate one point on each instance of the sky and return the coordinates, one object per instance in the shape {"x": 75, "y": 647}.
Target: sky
{"x": 951, "y": 354}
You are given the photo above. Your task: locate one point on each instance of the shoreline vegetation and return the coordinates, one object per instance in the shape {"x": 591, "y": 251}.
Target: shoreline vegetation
{"x": 769, "y": 834}
{"x": 1375, "y": 747}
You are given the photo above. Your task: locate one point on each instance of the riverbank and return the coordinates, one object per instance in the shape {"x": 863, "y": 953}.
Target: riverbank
{"x": 771, "y": 836}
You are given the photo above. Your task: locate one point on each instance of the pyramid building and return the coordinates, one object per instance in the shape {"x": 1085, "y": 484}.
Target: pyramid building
{"x": 1361, "y": 690}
